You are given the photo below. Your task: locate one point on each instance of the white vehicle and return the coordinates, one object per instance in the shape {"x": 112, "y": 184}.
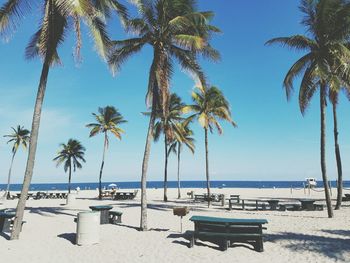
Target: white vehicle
{"x": 310, "y": 182}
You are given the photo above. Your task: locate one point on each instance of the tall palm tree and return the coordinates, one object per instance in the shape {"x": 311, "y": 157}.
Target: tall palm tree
{"x": 334, "y": 99}
{"x": 167, "y": 125}
{"x": 19, "y": 136}
{"x": 210, "y": 106}
{"x": 70, "y": 154}
{"x": 175, "y": 30}
{"x": 108, "y": 120}
{"x": 58, "y": 17}
{"x": 325, "y": 64}
{"x": 176, "y": 147}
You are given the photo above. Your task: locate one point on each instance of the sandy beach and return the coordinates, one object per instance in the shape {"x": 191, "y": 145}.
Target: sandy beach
{"x": 291, "y": 236}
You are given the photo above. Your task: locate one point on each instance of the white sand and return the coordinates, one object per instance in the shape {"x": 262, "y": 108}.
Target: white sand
{"x": 291, "y": 236}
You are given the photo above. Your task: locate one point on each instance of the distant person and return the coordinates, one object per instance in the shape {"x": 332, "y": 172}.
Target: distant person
{"x": 77, "y": 189}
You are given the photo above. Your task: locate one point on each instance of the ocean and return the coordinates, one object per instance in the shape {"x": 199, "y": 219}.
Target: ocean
{"x": 172, "y": 184}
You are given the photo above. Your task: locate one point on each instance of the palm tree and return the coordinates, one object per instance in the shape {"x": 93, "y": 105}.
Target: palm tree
{"x": 325, "y": 65}
{"x": 57, "y": 19}
{"x": 108, "y": 120}
{"x": 175, "y": 30}
{"x": 333, "y": 98}
{"x": 20, "y": 136}
{"x": 167, "y": 125}
{"x": 210, "y": 106}
{"x": 70, "y": 154}
{"x": 176, "y": 147}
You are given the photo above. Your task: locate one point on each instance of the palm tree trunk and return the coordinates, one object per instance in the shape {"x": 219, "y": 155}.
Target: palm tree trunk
{"x": 149, "y": 139}
{"x": 323, "y": 149}
{"x": 178, "y": 171}
{"x": 338, "y": 159}
{"x": 9, "y": 177}
{"x": 165, "y": 198}
{"x": 32, "y": 150}
{"x": 70, "y": 175}
{"x": 101, "y": 169}
{"x": 207, "y": 165}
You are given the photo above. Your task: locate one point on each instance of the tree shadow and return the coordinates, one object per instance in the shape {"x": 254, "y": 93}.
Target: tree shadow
{"x": 328, "y": 246}
{"x": 68, "y": 236}
{"x": 51, "y": 211}
{"x": 339, "y": 232}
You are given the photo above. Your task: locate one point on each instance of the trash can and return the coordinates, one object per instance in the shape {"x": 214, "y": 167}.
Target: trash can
{"x": 71, "y": 199}
{"x": 88, "y": 228}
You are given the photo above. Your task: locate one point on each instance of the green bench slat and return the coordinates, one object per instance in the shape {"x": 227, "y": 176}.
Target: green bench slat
{"x": 212, "y": 234}
{"x": 220, "y": 220}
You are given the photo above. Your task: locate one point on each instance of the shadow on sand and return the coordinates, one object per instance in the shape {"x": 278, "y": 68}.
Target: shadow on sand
{"x": 68, "y": 236}
{"x": 331, "y": 247}
{"x": 51, "y": 211}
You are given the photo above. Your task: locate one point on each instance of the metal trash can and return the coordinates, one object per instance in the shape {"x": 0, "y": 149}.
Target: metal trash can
{"x": 88, "y": 228}
{"x": 71, "y": 198}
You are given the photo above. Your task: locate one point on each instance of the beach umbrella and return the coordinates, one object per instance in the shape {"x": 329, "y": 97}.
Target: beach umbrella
{"x": 112, "y": 185}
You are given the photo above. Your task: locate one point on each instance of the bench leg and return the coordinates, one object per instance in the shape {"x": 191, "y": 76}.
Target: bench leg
{"x": 225, "y": 244}
{"x": 119, "y": 219}
{"x": 259, "y": 246}
{"x": 191, "y": 241}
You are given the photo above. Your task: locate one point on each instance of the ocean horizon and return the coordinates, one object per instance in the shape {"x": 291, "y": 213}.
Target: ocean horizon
{"x": 171, "y": 184}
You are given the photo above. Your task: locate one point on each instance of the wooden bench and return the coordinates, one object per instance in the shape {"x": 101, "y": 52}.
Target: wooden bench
{"x": 227, "y": 231}
{"x": 115, "y": 217}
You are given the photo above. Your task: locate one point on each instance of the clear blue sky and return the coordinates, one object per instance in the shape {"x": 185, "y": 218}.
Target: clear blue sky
{"x": 273, "y": 141}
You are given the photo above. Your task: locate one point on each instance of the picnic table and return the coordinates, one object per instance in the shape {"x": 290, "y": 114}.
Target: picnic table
{"x": 104, "y": 212}
{"x": 124, "y": 195}
{"x": 308, "y": 204}
{"x": 226, "y": 231}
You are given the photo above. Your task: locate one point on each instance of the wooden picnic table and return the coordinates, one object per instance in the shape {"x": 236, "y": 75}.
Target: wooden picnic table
{"x": 104, "y": 212}
{"x": 308, "y": 204}
{"x": 227, "y": 231}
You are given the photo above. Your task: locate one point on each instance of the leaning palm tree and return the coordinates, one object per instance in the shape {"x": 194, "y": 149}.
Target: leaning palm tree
{"x": 108, "y": 120}
{"x": 167, "y": 125}
{"x": 175, "y": 30}
{"x": 210, "y": 106}
{"x": 58, "y": 17}
{"x": 176, "y": 147}
{"x": 18, "y": 137}
{"x": 71, "y": 154}
{"x": 325, "y": 64}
